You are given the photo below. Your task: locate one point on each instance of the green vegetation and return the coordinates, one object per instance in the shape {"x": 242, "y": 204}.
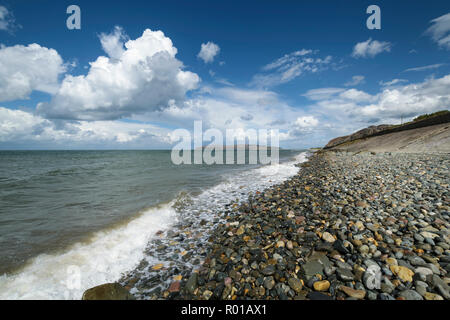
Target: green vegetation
{"x": 426, "y": 116}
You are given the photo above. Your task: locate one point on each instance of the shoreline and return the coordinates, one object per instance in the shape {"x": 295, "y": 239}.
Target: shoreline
{"x": 174, "y": 253}
{"x": 114, "y": 251}
{"x": 346, "y": 226}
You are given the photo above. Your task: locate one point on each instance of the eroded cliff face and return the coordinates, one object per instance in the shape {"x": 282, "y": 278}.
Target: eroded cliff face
{"x": 431, "y": 139}
{"x": 432, "y": 130}
{"x": 364, "y": 133}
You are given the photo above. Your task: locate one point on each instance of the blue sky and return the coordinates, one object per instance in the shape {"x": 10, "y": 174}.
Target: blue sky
{"x": 287, "y": 65}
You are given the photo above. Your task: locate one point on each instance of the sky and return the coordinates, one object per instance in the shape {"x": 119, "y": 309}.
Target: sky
{"x": 138, "y": 70}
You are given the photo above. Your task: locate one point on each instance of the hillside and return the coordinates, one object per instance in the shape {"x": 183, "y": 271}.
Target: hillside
{"x": 427, "y": 133}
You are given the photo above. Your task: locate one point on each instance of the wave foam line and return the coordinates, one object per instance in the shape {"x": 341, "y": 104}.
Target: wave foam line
{"x": 104, "y": 259}
{"x": 110, "y": 253}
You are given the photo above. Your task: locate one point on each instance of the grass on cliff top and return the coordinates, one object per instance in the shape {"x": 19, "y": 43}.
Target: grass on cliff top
{"x": 420, "y": 118}
{"x": 431, "y": 115}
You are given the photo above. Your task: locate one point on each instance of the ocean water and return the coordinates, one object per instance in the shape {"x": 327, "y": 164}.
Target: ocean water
{"x": 71, "y": 220}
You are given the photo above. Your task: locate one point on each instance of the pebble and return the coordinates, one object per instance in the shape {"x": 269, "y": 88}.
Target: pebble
{"x": 323, "y": 285}
{"x": 207, "y": 294}
{"x": 404, "y": 273}
{"x": 295, "y": 284}
{"x": 358, "y": 294}
{"x": 410, "y": 295}
{"x": 432, "y": 296}
{"x": 345, "y": 274}
{"x": 269, "y": 270}
{"x": 328, "y": 237}
{"x": 269, "y": 283}
{"x": 327, "y": 233}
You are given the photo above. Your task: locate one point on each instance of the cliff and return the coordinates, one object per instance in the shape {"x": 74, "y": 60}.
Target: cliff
{"x": 429, "y": 133}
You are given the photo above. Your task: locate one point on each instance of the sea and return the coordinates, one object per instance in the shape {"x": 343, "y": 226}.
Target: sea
{"x": 72, "y": 220}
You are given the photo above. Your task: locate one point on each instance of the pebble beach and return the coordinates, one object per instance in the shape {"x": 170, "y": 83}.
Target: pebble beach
{"x": 348, "y": 226}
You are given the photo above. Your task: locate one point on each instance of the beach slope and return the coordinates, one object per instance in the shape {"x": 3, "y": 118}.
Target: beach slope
{"x": 431, "y": 134}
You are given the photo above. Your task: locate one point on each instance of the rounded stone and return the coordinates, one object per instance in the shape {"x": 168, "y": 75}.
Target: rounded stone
{"x": 108, "y": 291}
{"x": 328, "y": 237}
{"x": 323, "y": 285}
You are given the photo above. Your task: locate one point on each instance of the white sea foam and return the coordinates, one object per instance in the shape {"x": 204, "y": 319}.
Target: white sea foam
{"x": 107, "y": 255}
{"x": 282, "y": 171}
{"x": 208, "y": 207}
{"x": 113, "y": 252}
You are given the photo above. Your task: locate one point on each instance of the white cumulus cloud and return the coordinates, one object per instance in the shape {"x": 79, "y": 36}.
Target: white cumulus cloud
{"x": 389, "y": 105}
{"x": 306, "y": 122}
{"x": 208, "y": 51}
{"x": 440, "y": 30}
{"x": 112, "y": 43}
{"x": 21, "y": 128}
{"x": 356, "y": 80}
{"x": 289, "y": 67}
{"x": 7, "y": 21}
{"x": 410, "y": 100}
{"x": 144, "y": 76}
{"x": 18, "y": 125}
{"x": 355, "y": 95}
{"x": 370, "y": 48}
{"x": 27, "y": 68}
